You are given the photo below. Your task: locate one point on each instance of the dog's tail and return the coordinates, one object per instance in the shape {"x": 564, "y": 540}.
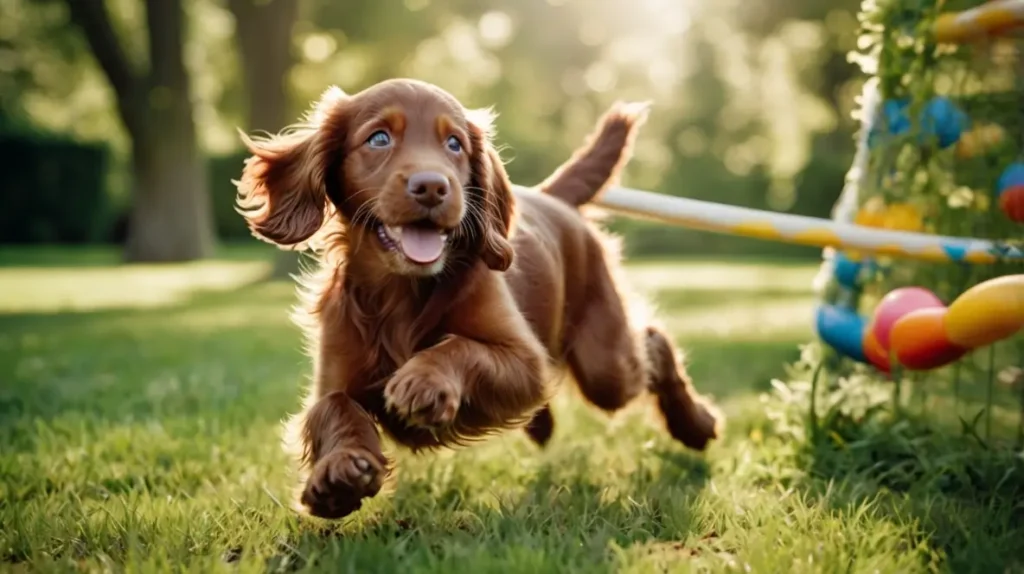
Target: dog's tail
{"x": 596, "y": 166}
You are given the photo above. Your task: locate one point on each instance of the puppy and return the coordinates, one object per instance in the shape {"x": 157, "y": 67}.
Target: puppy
{"x": 446, "y": 298}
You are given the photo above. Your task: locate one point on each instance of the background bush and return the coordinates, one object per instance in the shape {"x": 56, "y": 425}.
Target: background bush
{"x": 221, "y": 170}
{"x": 54, "y": 190}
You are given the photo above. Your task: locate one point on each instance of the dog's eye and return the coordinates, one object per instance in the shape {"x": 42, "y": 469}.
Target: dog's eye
{"x": 379, "y": 139}
{"x": 453, "y": 144}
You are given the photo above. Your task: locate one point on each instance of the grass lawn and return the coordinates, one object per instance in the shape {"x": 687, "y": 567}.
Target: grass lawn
{"x": 140, "y": 410}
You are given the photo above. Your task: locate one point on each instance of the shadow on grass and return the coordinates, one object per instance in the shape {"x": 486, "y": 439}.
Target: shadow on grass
{"x": 561, "y": 519}
{"x": 560, "y": 515}
{"x": 212, "y": 354}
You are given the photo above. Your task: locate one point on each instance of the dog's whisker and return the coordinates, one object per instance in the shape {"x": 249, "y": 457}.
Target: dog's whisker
{"x": 471, "y": 222}
{"x": 364, "y": 213}
{"x": 356, "y": 194}
{"x": 484, "y": 196}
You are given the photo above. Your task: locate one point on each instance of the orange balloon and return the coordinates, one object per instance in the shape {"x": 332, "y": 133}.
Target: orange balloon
{"x": 874, "y": 351}
{"x": 919, "y": 340}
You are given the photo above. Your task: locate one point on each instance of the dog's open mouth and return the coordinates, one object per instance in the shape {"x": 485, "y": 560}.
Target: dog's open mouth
{"x": 421, "y": 242}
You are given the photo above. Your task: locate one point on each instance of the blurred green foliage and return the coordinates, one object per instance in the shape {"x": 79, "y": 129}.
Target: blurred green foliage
{"x": 221, "y": 170}
{"x": 952, "y": 187}
{"x": 751, "y": 102}
{"x": 55, "y": 190}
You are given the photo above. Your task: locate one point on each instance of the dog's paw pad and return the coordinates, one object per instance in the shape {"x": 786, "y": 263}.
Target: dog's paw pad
{"x": 339, "y": 482}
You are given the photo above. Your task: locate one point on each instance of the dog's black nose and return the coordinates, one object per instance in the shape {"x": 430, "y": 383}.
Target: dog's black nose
{"x": 429, "y": 188}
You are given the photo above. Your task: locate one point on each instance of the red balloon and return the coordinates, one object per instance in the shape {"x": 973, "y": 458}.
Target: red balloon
{"x": 1011, "y": 201}
{"x": 895, "y": 305}
{"x": 920, "y": 343}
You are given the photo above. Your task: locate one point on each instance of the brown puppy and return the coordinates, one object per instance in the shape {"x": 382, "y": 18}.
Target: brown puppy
{"x": 444, "y": 295}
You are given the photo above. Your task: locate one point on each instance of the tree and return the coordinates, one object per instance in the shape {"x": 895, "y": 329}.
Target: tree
{"x": 171, "y": 217}
{"x": 264, "y": 33}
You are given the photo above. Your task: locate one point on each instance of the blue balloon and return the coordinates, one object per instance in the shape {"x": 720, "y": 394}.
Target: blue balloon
{"x": 897, "y": 120}
{"x": 842, "y": 329}
{"x": 943, "y": 120}
{"x": 1013, "y": 175}
{"x": 846, "y": 271}
{"x": 894, "y": 121}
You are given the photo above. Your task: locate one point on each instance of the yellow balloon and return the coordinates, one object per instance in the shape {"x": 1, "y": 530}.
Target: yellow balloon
{"x": 979, "y": 140}
{"x": 986, "y": 313}
{"x": 902, "y": 217}
{"x": 869, "y": 219}
{"x": 898, "y": 216}
{"x": 991, "y": 135}
{"x": 968, "y": 145}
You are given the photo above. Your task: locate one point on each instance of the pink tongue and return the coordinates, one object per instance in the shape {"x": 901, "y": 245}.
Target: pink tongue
{"x": 422, "y": 245}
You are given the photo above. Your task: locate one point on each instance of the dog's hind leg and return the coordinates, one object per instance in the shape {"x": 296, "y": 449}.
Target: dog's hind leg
{"x": 614, "y": 360}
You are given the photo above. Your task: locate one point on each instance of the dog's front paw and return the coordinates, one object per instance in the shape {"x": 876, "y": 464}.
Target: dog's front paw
{"x": 423, "y": 396}
{"x": 340, "y": 481}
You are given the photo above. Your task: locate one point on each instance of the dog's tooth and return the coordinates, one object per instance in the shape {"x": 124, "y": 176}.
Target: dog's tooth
{"x": 394, "y": 232}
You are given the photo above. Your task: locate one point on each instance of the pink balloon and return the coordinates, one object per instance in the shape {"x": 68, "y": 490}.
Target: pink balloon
{"x": 895, "y": 305}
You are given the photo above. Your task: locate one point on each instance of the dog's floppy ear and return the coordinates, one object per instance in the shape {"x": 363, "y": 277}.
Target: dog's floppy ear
{"x": 282, "y": 193}
{"x": 491, "y": 182}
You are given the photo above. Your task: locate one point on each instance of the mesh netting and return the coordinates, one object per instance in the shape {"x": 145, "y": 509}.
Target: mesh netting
{"x": 942, "y": 152}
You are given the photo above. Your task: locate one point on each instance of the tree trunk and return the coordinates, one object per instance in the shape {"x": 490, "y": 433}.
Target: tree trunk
{"x": 264, "y": 42}
{"x": 171, "y": 217}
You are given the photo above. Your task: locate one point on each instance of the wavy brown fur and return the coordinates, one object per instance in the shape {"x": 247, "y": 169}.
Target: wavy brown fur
{"x": 597, "y": 165}
{"x": 447, "y": 353}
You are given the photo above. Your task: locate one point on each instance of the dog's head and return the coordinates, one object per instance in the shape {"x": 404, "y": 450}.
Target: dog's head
{"x": 412, "y": 175}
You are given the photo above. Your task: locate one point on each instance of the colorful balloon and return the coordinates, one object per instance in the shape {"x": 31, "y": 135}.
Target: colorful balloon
{"x": 942, "y": 120}
{"x": 842, "y": 329}
{"x": 1012, "y": 176}
{"x": 912, "y": 326}
{"x": 919, "y": 340}
{"x": 874, "y": 352}
{"x": 1010, "y": 191}
{"x": 847, "y": 271}
{"x": 896, "y": 216}
{"x": 896, "y": 304}
{"x": 979, "y": 141}
{"x": 986, "y": 313}
{"x": 894, "y": 121}
{"x": 1011, "y": 201}
{"x": 894, "y": 113}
